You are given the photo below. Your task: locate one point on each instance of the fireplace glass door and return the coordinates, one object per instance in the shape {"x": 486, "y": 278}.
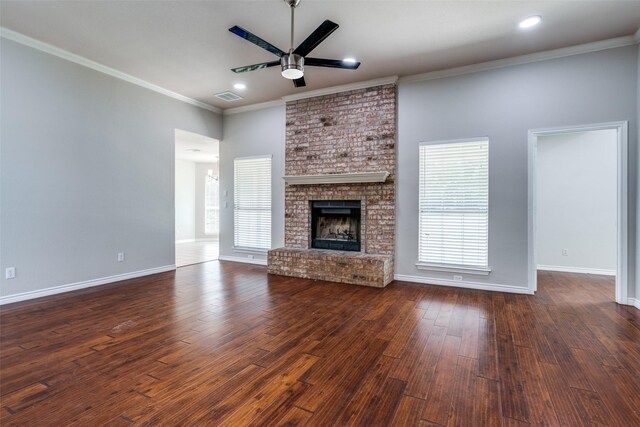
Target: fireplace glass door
{"x": 335, "y": 224}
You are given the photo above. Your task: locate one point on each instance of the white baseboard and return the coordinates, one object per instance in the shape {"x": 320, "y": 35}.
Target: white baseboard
{"x": 577, "y": 270}
{"x": 243, "y": 260}
{"x": 82, "y": 285}
{"x": 635, "y": 302}
{"x": 464, "y": 284}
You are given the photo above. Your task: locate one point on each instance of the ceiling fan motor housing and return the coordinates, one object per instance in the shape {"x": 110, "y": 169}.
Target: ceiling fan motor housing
{"x": 292, "y": 3}
{"x": 292, "y": 66}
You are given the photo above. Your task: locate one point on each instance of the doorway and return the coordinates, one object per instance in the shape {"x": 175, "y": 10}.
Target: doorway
{"x": 579, "y": 223}
{"x": 196, "y": 198}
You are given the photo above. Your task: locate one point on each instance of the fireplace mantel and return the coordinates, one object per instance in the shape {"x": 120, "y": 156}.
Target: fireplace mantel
{"x": 337, "y": 178}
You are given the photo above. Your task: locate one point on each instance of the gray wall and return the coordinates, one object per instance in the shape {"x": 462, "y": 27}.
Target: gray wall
{"x": 637, "y": 162}
{"x": 252, "y": 133}
{"x": 576, "y": 207}
{"x": 87, "y": 170}
{"x": 503, "y": 104}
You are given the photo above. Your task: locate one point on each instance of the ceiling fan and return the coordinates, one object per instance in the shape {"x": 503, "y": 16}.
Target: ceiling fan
{"x": 293, "y": 62}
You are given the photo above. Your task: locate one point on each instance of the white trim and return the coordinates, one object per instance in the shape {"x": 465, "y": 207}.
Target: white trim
{"x": 523, "y": 59}
{"x": 250, "y": 250}
{"x": 259, "y": 156}
{"x": 342, "y": 88}
{"x": 337, "y": 178}
{"x": 252, "y": 107}
{"x": 242, "y": 260}
{"x": 82, "y": 285}
{"x": 581, "y": 270}
{"x": 454, "y": 141}
{"x": 464, "y": 284}
{"x": 622, "y": 266}
{"x": 454, "y": 268}
{"x": 635, "y": 302}
{"x": 64, "y": 54}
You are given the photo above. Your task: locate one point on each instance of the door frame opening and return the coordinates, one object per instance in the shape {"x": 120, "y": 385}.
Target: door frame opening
{"x": 622, "y": 259}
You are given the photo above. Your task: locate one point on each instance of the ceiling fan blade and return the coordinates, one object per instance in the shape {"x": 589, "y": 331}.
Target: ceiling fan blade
{"x": 241, "y": 32}
{"x": 331, "y": 63}
{"x": 299, "y": 82}
{"x": 255, "y": 67}
{"x": 320, "y": 33}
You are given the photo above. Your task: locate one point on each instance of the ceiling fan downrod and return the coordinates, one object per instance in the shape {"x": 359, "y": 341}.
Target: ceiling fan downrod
{"x": 291, "y": 63}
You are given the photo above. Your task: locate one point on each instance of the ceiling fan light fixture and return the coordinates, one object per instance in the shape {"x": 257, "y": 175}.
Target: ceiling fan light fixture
{"x": 292, "y": 66}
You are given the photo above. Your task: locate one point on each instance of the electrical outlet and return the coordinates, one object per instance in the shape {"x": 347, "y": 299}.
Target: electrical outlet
{"x": 458, "y": 278}
{"x": 250, "y": 256}
{"x": 10, "y": 273}
{"x": 120, "y": 256}
{"x": 565, "y": 252}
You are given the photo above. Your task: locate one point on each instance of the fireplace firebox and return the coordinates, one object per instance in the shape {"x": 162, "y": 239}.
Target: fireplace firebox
{"x": 335, "y": 224}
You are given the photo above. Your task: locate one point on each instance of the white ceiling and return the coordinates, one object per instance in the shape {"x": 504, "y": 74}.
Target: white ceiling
{"x": 185, "y": 46}
{"x": 188, "y": 142}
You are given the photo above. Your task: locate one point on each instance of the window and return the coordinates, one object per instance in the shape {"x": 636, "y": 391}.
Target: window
{"x": 454, "y": 205}
{"x": 252, "y": 202}
{"x": 211, "y": 209}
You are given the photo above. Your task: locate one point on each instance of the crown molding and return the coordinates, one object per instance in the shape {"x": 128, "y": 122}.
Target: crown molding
{"x": 524, "y": 59}
{"x": 64, "y": 54}
{"x": 341, "y": 88}
{"x": 260, "y": 106}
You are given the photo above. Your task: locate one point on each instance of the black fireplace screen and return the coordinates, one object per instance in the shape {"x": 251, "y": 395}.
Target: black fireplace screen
{"x": 335, "y": 224}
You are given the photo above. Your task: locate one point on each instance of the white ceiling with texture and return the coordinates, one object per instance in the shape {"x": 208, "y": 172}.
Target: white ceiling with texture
{"x": 185, "y": 46}
{"x": 196, "y": 148}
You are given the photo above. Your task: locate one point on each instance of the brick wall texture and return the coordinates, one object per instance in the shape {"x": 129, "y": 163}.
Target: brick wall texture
{"x": 345, "y": 132}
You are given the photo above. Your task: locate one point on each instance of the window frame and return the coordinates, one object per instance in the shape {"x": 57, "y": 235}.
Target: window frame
{"x": 209, "y": 176}
{"x": 455, "y": 268}
{"x": 246, "y": 248}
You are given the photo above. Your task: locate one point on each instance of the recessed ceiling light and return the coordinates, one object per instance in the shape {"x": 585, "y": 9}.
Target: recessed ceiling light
{"x": 239, "y": 86}
{"x": 531, "y": 21}
{"x": 193, "y": 150}
{"x": 349, "y": 60}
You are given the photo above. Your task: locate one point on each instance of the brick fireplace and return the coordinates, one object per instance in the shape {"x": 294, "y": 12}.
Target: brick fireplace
{"x": 334, "y": 145}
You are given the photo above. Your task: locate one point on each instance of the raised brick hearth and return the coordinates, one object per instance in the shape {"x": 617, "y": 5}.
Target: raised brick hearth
{"x": 334, "y": 266}
{"x": 346, "y": 132}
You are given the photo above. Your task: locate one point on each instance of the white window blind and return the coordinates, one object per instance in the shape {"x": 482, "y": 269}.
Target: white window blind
{"x": 252, "y": 202}
{"x": 454, "y": 204}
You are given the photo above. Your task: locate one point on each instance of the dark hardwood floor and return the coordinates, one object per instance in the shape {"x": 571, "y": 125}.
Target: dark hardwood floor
{"x": 225, "y": 344}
